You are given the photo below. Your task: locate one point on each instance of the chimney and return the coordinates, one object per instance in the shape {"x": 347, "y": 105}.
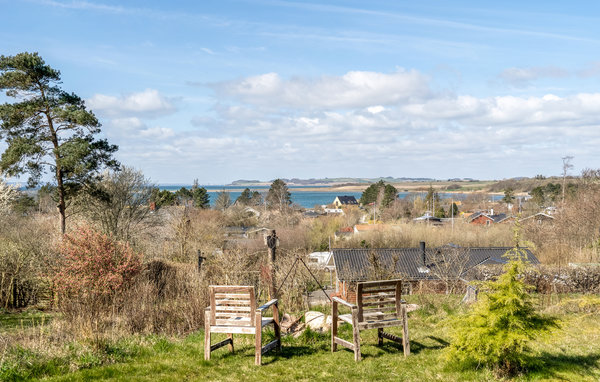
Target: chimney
{"x": 422, "y": 244}
{"x": 492, "y": 211}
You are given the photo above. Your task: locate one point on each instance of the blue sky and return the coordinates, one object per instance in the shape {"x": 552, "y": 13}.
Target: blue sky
{"x": 225, "y": 90}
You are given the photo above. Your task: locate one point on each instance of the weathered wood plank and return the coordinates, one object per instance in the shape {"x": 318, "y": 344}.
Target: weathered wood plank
{"x": 231, "y": 288}
{"x": 232, "y": 329}
{"x": 343, "y": 302}
{"x": 277, "y": 324}
{"x": 372, "y": 297}
{"x": 220, "y": 344}
{"x": 233, "y": 302}
{"x": 379, "y": 316}
{"x": 233, "y": 322}
{"x": 223, "y": 308}
{"x": 344, "y": 343}
{"x": 405, "y": 342}
{"x": 398, "y": 297}
{"x": 241, "y": 315}
{"x": 356, "y": 335}
{"x": 207, "y": 335}
{"x": 233, "y": 296}
{"x": 270, "y": 346}
{"x": 359, "y": 300}
{"x": 369, "y": 284}
{"x": 211, "y": 291}
{"x": 380, "y": 309}
{"x": 258, "y": 340}
{"x": 385, "y": 301}
{"x": 334, "y": 325}
{"x": 230, "y": 336}
{"x": 379, "y": 324}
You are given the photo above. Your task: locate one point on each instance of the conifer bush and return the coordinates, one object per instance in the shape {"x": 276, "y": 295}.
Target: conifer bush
{"x": 498, "y": 330}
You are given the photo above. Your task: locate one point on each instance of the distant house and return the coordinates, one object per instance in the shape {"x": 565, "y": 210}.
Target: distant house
{"x": 538, "y": 218}
{"x": 344, "y": 233}
{"x": 334, "y": 211}
{"x": 345, "y": 200}
{"x": 481, "y": 218}
{"x": 428, "y": 218}
{"x": 413, "y": 265}
{"x": 361, "y": 228}
{"x": 321, "y": 260}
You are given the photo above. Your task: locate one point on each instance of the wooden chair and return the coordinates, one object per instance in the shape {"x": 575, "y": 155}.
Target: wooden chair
{"x": 378, "y": 305}
{"x": 233, "y": 310}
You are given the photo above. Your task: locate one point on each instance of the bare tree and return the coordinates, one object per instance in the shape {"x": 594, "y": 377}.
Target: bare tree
{"x": 448, "y": 264}
{"x": 8, "y": 194}
{"x": 566, "y": 167}
{"x": 119, "y": 203}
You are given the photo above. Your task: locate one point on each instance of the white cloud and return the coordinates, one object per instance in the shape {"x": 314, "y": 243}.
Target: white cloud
{"x": 523, "y": 77}
{"x": 148, "y": 103}
{"x": 353, "y": 89}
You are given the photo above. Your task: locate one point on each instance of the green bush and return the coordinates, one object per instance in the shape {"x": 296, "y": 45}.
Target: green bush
{"x": 499, "y": 328}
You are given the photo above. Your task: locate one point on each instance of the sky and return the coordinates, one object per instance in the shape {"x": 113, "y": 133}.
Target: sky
{"x": 233, "y": 89}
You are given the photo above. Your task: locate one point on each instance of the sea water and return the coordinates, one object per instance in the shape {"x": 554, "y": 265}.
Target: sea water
{"x": 310, "y": 199}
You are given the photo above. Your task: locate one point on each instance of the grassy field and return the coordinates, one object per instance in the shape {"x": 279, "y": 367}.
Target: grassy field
{"x": 571, "y": 354}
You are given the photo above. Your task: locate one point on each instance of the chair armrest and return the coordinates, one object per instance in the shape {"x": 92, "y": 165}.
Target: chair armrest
{"x": 268, "y": 304}
{"x": 343, "y": 302}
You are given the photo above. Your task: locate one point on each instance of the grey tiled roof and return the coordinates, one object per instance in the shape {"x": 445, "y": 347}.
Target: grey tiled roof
{"x": 357, "y": 264}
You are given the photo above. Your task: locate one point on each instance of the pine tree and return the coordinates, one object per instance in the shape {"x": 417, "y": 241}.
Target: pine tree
{"x": 48, "y": 128}
{"x": 201, "y": 197}
{"x": 499, "y": 328}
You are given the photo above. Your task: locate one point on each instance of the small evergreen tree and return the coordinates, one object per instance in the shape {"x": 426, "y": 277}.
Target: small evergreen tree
{"x": 201, "y": 197}
{"x": 385, "y": 192}
{"x": 244, "y": 198}
{"x": 499, "y": 328}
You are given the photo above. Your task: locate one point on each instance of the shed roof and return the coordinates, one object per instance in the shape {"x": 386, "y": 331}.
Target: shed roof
{"x": 355, "y": 264}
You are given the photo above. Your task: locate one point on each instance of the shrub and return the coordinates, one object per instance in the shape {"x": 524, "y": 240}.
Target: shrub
{"x": 94, "y": 270}
{"x": 497, "y": 331}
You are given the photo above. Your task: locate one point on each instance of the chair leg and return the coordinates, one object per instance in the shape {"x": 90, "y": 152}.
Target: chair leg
{"x": 334, "y": 325}
{"x": 405, "y": 340}
{"x": 258, "y": 340}
{"x": 230, "y": 336}
{"x": 207, "y": 336}
{"x": 277, "y": 326}
{"x": 356, "y": 335}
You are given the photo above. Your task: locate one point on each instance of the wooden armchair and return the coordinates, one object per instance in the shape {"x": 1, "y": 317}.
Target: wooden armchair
{"x": 233, "y": 310}
{"x": 378, "y": 305}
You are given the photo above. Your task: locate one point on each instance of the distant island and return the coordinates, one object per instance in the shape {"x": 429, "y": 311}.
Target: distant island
{"x": 331, "y": 181}
{"x": 344, "y": 181}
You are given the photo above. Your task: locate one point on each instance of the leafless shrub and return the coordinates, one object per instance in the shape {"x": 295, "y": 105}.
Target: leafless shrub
{"x": 448, "y": 264}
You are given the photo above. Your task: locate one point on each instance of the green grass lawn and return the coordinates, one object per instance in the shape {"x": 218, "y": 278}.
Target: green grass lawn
{"x": 573, "y": 354}
{"x": 570, "y": 354}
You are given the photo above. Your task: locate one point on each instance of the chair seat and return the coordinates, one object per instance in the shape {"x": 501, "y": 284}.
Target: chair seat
{"x": 243, "y": 321}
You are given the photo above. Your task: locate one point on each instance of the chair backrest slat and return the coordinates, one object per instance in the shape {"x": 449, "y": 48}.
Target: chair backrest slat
{"x": 375, "y": 299}
{"x": 232, "y": 305}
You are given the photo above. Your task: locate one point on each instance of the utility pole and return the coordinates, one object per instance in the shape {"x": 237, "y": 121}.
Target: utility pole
{"x": 452, "y": 213}
{"x": 272, "y": 242}
{"x": 566, "y": 167}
